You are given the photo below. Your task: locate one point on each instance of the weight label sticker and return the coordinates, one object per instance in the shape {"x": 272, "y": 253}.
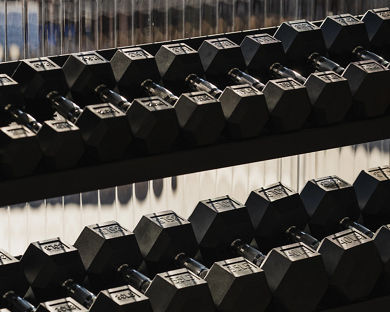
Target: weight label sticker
{"x": 288, "y": 84}
{"x": 155, "y": 104}
{"x": 295, "y": 253}
{"x": 62, "y": 125}
{"x": 371, "y": 67}
{"x": 180, "y": 49}
{"x": 53, "y": 247}
{"x": 245, "y": 91}
{"x": 381, "y": 173}
{"x": 123, "y": 296}
{"x": 303, "y": 26}
{"x": 329, "y": 77}
{"x": 136, "y": 54}
{"x": 43, "y": 64}
{"x": 5, "y": 259}
{"x": 222, "y": 204}
{"x": 182, "y": 280}
{"x": 18, "y": 132}
{"x": 223, "y": 43}
{"x": 241, "y": 267}
{"x": 5, "y": 80}
{"x": 64, "y": 306}
{"x": 167, "y": 219}
{"x": 110, "y": 230}
{"x": 202, "y": 98}
{"x": 91, "y": 58}
{"x": 276, "y": 192}
{"x": 350, "y": 238}
{"x": 264, "y": 39}
{"x": 331, "y": 183}
{"x": 346, "y": 20}
{"x": 383, "y": 13}
{"x": 106, "y": 111}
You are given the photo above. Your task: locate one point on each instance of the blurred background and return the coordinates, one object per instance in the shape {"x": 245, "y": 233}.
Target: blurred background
{"x": 31, "y": 28}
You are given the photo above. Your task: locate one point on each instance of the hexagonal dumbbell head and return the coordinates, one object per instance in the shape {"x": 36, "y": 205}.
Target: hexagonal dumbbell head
{"x": 245, "y": 110}
{"x": 272, "y": 211}
{"x": 161, "y": 236}
{"x": 288, "y": 104}
{"x": 218, "y": 56}
{"x": 103, "y": 248}
{"x": 330, "y": 96}
{"x": 217, "y": 223}
{"x": 372, "y": 189}
{"x": 296, "y": 276}
{"x": 153, "y": 123}
{"x": 37, "y": 78}
{"x": 179, "y": 290}
{"x": 84, "y": 72}
{"x": 377, "y": 22}
{"x": 353, "y": 264}
{"x": 49, "y": 263}
{"x": 260, "y": 51}
{"x": 132, "y": 66}
{"x": 175, "y": 62}
{"x": 342, "y": 34}
{"x": 200, "y": 117}
{"x": 237, "y": 283}
{"x": 15, "y": 139}
{"x": 10, "y": 91}
{"x": 12, "y": 276}
{"x": 64, "y": 304}
{"x": 300, "y": 39}
{"x": 327, "y": 201}
{"x": 382, "y": 241}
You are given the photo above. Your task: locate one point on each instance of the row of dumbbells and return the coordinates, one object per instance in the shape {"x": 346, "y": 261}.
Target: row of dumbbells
{"x": 294, "y": 271}
{"x": 140, "y": 113}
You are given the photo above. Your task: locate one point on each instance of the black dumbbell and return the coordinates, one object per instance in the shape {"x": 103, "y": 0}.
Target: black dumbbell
{"x": 367, "y": 79}
{"x": 234, "y": 283}
{"x": 279, "y": 93}
{"x": 54, "y": 269}
{"x": 91, "y": 78}
{"x": 108, "y": 248}
{"x": 377, "y": 26}
{"x": 223, "y": 227}
{"x": 104, "y": 128}
{"x": 244, "y": 106}
{"x": 372, "y": 188}
{"x": 329, "y": 93}
{"x": 60, "y": 140}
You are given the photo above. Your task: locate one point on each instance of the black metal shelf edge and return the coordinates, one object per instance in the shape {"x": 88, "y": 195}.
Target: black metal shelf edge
{"x": 180, "y": 162}
{"x": 376, "y": 304}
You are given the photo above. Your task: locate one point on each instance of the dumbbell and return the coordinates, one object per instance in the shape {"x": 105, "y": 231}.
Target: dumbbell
{"x": 104, "y": 128}
{"x": 329, "y": 93}
{"x": 108, "y": 248}
{"x": 244, "y": 106}
{"x": 55, "y": 269}
{"x": 60, "y": 140}
{"x": 372, "y": 188}
{"x": 366, "y": 78}
{"x": 234, "y": 283}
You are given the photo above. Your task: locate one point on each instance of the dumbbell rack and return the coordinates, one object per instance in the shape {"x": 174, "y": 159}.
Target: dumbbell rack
{"x": 183, "y": 161}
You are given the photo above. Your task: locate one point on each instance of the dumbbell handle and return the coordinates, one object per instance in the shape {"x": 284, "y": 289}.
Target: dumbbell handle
{"x": 241, "y": 77}
{"x": 192, "y": 265}
{"x": 321, "y": 63}
{"x": 109, "y": 96}
{"x": 349, "y": 224}
{"x": 65, "y": 107}
{"x": 154, "y": 89}
{"x": 279, "y": 71}
{"x": 365, "y": 55}
{"x": 248, "y": 252}
{"x": 134, "y": 278}
{"x": 23, "y": 118}
{"x": 198, "y": 84}
{"x": 79, "y": 293}
{"x": 17, "y": 303}
{"x": 302, "y": 237}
